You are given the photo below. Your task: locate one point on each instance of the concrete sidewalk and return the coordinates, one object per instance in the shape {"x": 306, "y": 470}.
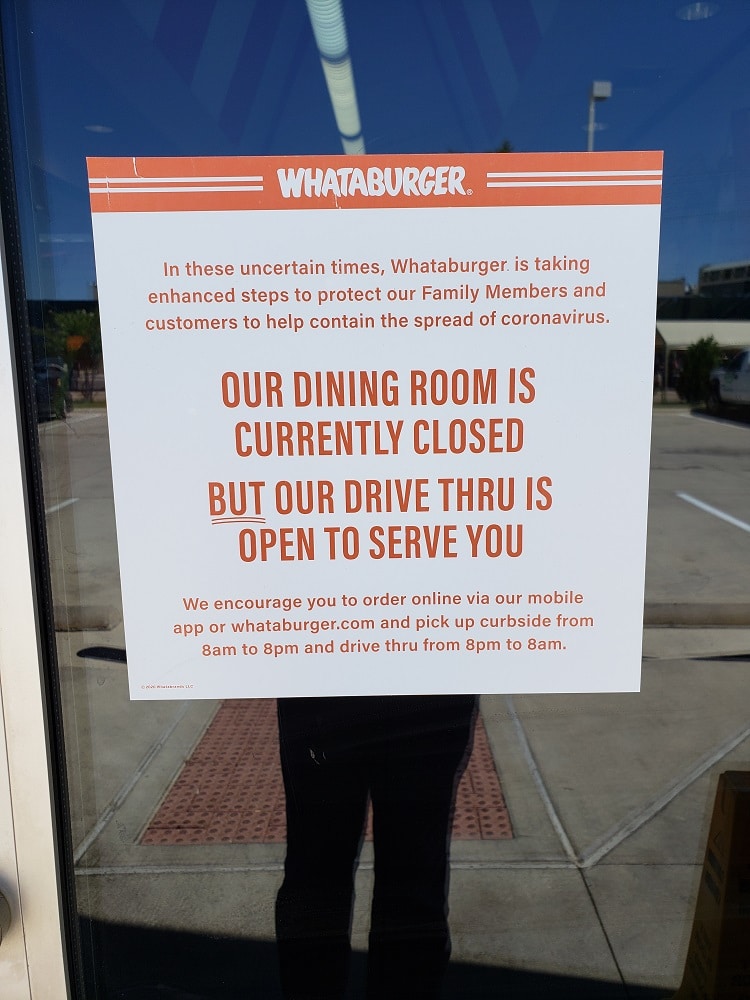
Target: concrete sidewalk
{"x": 610, "y": 798}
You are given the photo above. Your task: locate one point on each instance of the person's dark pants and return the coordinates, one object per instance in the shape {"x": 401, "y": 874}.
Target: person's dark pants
{"x": 406, "y": 754}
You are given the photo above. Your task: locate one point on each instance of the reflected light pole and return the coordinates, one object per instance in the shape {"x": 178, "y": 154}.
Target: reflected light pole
{"x": 600, "y": 91}
{"x": 329, "y": 28}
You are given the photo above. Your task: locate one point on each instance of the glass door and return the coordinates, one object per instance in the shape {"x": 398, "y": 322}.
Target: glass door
{"x": 581, "y": 819}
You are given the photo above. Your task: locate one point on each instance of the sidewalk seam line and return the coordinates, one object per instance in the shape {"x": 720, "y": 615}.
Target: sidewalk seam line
{"x": 127, "y": 787}
{"x": 539, "y": 782}
{"x": 592, "y": 900}
{"x": 274, "y": 866}
{"x": 616, "y": 835}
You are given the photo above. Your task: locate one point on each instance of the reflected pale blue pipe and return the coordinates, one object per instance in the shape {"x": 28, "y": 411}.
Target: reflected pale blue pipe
{"x": 329, "y": 29}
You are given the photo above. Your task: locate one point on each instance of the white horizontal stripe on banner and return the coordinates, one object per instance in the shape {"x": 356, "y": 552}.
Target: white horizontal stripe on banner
{"x": 581, "y": 183}
{"x": 258, "y": 179}
{"x": 174, "y": 190}
{"x": 578, "y": 173}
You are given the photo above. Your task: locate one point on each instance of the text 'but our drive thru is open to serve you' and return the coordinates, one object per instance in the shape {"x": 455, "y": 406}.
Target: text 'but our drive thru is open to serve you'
{"x": 379, "y": 425}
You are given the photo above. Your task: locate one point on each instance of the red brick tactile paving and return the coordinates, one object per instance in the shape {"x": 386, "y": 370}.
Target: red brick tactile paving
{"x": 230, "y": 790}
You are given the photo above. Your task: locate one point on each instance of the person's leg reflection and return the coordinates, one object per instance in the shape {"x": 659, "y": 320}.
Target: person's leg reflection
{"x": 413, "y": 791}
{"x": 326, "y": 803}
{"x": 408, "y": 753}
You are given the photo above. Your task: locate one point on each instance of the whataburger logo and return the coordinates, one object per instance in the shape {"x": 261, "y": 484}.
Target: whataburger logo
{"x": 372, "y": 182}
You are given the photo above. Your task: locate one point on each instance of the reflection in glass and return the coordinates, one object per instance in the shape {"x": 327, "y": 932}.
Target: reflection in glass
{"x": 329, "y": 28}
{"x": 591, "y": 894}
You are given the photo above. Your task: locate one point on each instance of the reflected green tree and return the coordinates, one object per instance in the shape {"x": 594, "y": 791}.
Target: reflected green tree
{"x": 76, "y": 337}
{"x": 700, "y": 358}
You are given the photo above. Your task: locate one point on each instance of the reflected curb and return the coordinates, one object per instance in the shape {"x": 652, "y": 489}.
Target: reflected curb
{"x": 696, "y": 615}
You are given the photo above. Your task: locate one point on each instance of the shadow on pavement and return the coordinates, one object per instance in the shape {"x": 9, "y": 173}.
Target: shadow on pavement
{"x": 727, "y": 414}
{"x": 140, "y": 963}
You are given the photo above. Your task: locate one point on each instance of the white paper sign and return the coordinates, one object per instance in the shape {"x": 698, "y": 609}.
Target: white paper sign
{"x": 379, "y": 424}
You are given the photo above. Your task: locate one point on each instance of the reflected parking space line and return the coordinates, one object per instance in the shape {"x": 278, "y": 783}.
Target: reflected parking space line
{"x": 59, "y": 506}
{"x": 51, "y": 427}
{"x": 80, "y": 418}
{"x": 714, "y": 511}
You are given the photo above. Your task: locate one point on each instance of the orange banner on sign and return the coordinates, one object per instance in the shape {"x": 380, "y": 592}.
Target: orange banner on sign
{"x": 243, "y": 183}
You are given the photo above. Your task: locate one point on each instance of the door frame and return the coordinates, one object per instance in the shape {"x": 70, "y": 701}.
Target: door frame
{"x": 33, "y": 953}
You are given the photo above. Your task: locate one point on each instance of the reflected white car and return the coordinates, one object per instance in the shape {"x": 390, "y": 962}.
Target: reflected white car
{"x": 730, "y": 383}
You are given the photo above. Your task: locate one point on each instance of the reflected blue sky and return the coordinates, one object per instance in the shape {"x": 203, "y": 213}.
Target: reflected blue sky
{"x": 198, "y": 77}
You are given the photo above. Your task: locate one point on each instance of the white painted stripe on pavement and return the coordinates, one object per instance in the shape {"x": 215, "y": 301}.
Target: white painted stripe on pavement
{"x": 81, "y": 418}
{"x": 715, "y": 511}
{"x": 59, "y": 506}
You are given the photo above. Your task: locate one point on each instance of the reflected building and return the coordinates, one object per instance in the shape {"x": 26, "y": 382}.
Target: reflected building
{"x": 729, "y": 280}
